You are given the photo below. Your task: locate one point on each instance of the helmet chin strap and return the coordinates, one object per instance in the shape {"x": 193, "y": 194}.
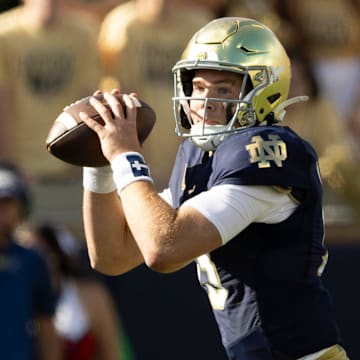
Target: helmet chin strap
{"x": 207, "y": 142}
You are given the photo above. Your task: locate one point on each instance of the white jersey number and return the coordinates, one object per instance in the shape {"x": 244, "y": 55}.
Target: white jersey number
{"x": 216, "y": 292}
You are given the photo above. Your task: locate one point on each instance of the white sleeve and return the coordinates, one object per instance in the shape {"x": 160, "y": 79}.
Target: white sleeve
{"x": 231, "y": 208}
{"x": 166, "y": 195}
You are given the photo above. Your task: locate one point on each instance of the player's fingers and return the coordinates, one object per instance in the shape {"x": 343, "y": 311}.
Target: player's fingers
{"x": 91, "y": 123}
{"x": 101, "y": 109}
{"x": 114, "y": 104}
{"x": 130, "y": 103}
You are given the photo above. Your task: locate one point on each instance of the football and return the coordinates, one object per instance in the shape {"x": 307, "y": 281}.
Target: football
{"x": 72, "y": 141}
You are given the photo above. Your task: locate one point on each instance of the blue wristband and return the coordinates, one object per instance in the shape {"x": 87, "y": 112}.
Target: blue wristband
{"x": 129, "y": 167}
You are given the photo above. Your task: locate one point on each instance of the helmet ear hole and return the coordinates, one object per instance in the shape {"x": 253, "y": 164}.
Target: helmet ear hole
{"x": 248, "y": 86}
{"x": 186, "y": 80}
{"x": 184, "y": 119}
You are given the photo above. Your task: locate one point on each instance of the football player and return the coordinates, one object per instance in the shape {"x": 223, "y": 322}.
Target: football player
{"x": 244, "y": 198}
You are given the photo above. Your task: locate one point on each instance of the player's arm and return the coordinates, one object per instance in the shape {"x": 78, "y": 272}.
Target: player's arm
{"x": 168, "y": 238}
{"x": 165, "y": 238}
{"x": 139, "y": 226}
{"x": 111, "y": 247}
{"x": 171, "y": 238}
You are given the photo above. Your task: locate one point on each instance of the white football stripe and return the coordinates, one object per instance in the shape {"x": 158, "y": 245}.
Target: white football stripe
{"x": 67, "y": 120}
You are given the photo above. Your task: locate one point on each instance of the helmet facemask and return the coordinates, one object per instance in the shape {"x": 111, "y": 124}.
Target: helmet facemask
{"x": 240, "y": 113}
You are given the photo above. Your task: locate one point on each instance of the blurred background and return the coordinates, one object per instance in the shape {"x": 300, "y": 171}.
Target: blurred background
{"x": 55, "y": 51}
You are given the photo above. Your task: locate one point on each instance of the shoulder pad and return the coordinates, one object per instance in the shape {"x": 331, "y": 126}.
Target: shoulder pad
{"x": 271, "y": 155}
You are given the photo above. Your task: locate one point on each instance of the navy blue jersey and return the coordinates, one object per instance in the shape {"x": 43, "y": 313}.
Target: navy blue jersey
{"x": 268, "y": 273}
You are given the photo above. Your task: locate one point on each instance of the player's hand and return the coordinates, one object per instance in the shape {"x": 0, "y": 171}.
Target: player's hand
{"x": 119, "y": 132}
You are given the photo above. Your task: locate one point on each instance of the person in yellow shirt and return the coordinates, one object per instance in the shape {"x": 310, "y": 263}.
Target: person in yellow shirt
{"x": 42, "y": 69}
{"x": 48, "y": 59}
{"x": 329, "y": 32}
{"x": 96, "y": 9}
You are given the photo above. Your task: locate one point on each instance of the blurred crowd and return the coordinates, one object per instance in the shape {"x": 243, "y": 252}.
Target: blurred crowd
{"x": 53, "y": 52}
{"x": 56, "y": 51}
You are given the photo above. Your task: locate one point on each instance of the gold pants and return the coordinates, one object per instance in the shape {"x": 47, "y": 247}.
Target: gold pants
{"x": 336, "y": 352}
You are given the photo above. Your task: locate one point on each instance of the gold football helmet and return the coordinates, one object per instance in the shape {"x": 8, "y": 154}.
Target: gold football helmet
{"x": 243, "y": 46}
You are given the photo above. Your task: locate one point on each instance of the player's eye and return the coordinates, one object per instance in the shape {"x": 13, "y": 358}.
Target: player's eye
{"x": 198, "y": 89}
{"x": 225, "y": 92}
